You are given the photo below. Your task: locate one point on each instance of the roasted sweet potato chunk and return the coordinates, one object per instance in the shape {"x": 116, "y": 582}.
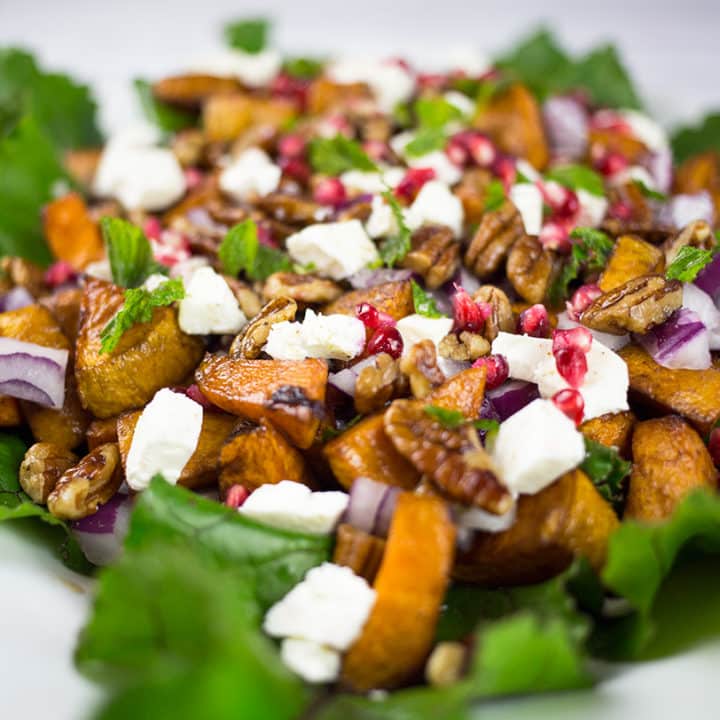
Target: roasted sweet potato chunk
{"x": 325, "y": 94}
{"x": 366, "y": 451}
{"x": 71, "y": 232}
{"x": 34, "y": 324}
{"x": 288, "y": 393}
{"x": 226, "y": 117}
{"x": 393, "y": 298}
{"x": 691, "y": 393}
{"x": 567, "y": 519}
{"x": 255, "y": 455}
{"x": 669, "y": 460}
{"x": 193, "y": 89}
{"x": 612, "y": 429}
{"x": 65, "y": 307}
{"x": 148, "y": 357}
{"x": 463, "y": 392}
{"x": 100, "y": 432}
{"x": 631, "y": 257}
{"x": 9, "y": 412}
{"x": 359, "y": 551}
{"x": 410, "y": 588}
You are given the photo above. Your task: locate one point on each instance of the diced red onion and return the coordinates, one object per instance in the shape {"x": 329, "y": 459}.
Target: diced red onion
{"x": 18, "y": 297}
{"x": 708, "y": 279}
{"x": 660, "y": 166}
{"x": 101, "y": 535}
{"x": 384, "y": 515}
{"x": 512, "y": 396}
{"x": 681, "y": 210}
{"x": 680, "y": 343}
{"x": 566, "y": 121}
{"x": 367, "y": 278}
{"x": 701, "y": 303}
{"x": 613, "y": 342}
{"x": 366, "y": 497}
{"x": 346, "y": 378}
{"x": 32, "y": 372}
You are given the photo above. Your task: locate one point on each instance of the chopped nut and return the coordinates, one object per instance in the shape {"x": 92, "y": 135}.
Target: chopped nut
{"x": 497, "y": 232}
{"x": 308, "y": 289}
{"x": 359, "y": 551}
{"x": 42, "y": 467}
{"x": 468, "y": 346}
{"x": 251, "y": 340}
{"x": 530, "y": 269}
{"x": 248, "y": 300}
{"x": 357, "y": 211}
{"x": 434, "y": 254}
{"x": 452, "y": 457}
{"x": 697, "y": 234}
{"x": 501, "y": 317}
{"x": 24, "y": 273}
{"x": 420, "y": 365}
{"x": 84, "y": 488}
{"x": 188, "y": 147}
{"x": 445, "y": 664}
{"x": 376, "y": 384}
{"x": 291, "y": 209}
{"x": 636, "y": 306}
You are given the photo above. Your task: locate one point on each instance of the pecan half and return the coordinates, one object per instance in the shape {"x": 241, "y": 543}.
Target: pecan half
{"x": 293, "y": 210}
{"x": 248, "y": 300}
{"x": 308, "y": 289}
{"x": 434, "y": 254}
{"x": 19, "y": 271}
{"x": 251, "y": 340}
{"x": 42, "y": 467}
{"x": 378, "y": 383}
{"x": 466, "y": 346}
{"x": 453, "y": 458}
{"x": 420, "y": 365}
{"x": 359, "y": 551}
{"x": 636, "y": 306}
{"x": 497, "y": 232}
{"x": 84, "y": 488}
{"x": 501, "y": 316}
{"x": 697, "y": 234}
{"x": 530, "y": 269}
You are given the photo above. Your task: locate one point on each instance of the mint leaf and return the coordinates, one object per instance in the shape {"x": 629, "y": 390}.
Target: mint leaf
{"x": 688, "y": 263}
{"x": 649, "y": 192}
{"x": 269, "y": 261}
{"x": 397, "y": 246}
{"x": 333, "y": 156}
{"x": 577, "y": 177}
{"x": 607, "y": 470}
{"x": 303, "y": 68}
{"x": 425, "y": 141}
{"x": 487, "y": 425}
{"x": 166, "y": 117}
{"x": 250, "y": 36}
{"x": 435, "y": 113}
{"x": 689, "y": 141}
{"x": 138, "y": 308}
{"x": 447, "y": 418}
{"x": 494, "y": 196}
{"x": 241, "y": 251}
{"x": 129, "y": 252}
{"x": 423, "y": 302}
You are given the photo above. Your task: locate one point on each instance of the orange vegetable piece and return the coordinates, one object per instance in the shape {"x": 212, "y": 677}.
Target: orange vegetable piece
{"x": 463, "y": 392}
{"x": 9, "y": 412}
{"x": 393, "y": 298}
{"x": 72, "y": 234}
{"x": 631, "y": 257}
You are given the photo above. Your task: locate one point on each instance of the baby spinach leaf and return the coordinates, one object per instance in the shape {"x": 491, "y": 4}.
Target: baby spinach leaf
{"x": 333, "y": 156}
{"x": 166, "y": 117}
{"x": 689, "y": 141}
{"x": 249, "y": 35}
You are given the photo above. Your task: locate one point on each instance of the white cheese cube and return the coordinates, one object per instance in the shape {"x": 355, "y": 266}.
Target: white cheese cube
{"x": 251, "y": 172}
{"x": 535, "y": 446}
{"x": 329, "y": 607}
{"x": 165, "y": 438}
{"x": 529, "y": 203}
{"x": 314, "y": 663}
{"x": 254, "y": 69}
{"x": 293, "y": 506}
{"x": 372, "y": 182}
{"x": 645, "y": 129}
{"x": 389, "y": 82}
{"x": 381, "y": 222}
{"x": 435, "y": 203}
{"x": 524, "y": 168}
{"x": 415, "y": 328}
{"x": 209, "y": 306}
{"x": 592, "y": 209}
{"x": 523, "y": 353}
{"x": 337, "y": 250}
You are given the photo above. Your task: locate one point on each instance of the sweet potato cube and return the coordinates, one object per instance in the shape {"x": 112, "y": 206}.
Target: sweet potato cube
{"x": 9, "y": 412}
{"x": 149, "y": 356}
{"x": 612, "y": 429}
{"x": 325, "y": 94}
{"x": 71, "y": 232}
{"x": 565, "y": 520}
{"x": 364, "y": 450}
{"x": 193, "y": 89}
{"x": 631, "y": 257}
{"x": 288, "y": 393}
{"x": 100, "y": 432}
{"x": 358, "y": 550}
{"x": 255, "y": 455}
{"x": 393, "y": 298}
{"x": 33, "y": 324}
{"x": 410, "y": 588}
{"x": 669, "y": 460}
{"x": 463, "y": 393}
{"x": 226, "y": 117}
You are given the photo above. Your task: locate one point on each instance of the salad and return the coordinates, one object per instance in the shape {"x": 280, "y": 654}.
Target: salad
{"x": 375, "y": 392}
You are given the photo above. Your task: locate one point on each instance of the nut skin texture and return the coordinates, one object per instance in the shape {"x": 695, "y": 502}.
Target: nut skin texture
{"x": 22, "y": 272}
{"x": 305, "y": 289}
{"x": 530, "y": 269}
{"x": 454, "y": 458}
{"x": 434, "y": 254}
{"x": 697, "y": 234}
{"x": 394, "y": 298}
{"x": 42, "y": 467}
{"x": 497, "y": 232}
{"x": 501, "y": 316}
{"x": 290, "y": 209}
{"x": 375, "y": 386}
{"x": 251, "y": 340}
{"x": 472, "y": 192}
{"x": 463, "y": 347}
{"x": 248, "y": 300}
{"x": 636, "y": 306}
{"x": 669, "y": 460}
{"x": 85, "y": 487}
{"x": 420, "y": 366}
{"x": 631, "y": 257}
{"x": 358, "y": 550}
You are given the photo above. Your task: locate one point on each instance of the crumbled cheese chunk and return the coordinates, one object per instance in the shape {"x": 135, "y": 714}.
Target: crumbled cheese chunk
{"x": 525, "y": 169}
{"x": 592, "y": 209}
{"x": 99, "y": 269}
{"x": 209, "y": 306}
{"x": 165, "y": 438}
{"x": 435, "y": 203}
{"x": 445, "y": 169}
{"x": 251, "y": 172}
{"x": 415, "y": 328}
{"x": 363, "y": 181}
{"x": 389, "y": 82}
{"x": 313, "y": 662}
{"x": 336, "y": 250}
{"x": 535, "y": 446}
{"x": 254, "y": 69}
{"x": 381, "y": 222}
{"x": 339, "y": 337}
{"x": 293, "y": 506}
{"x": 474, "y": 518}
{"x": 646, "y": 130}
{"x": 528, "y": 200}
{"x": 329, "y": 607}
{"x": 462, "y": 102}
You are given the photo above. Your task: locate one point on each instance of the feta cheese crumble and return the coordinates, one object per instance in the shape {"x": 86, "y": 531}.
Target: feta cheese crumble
{"x": 389, "y": 82}
{"x": 209, "y": 306}
{"x": 372, "y": 182}
{"x": 165, "y": 438}
{"x": 293, "y": 506}
{"x": 336, "y": 250}
{"x": 254, "y": 69}
{"x": 528, "y": 200}
{"x": 313, "y": 662}
{"x": 435, "y": 203}
{"x": 251, "y": 172}
{"x": 592, "y": 209}
{"x": 415, "y": 328}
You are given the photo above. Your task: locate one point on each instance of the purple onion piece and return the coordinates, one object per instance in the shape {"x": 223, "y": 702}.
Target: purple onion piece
{"x": 680, "y": 343}
{"x": 367, "y": 278}
{"x": 346, "y": 379}
{"x": 33, "y": 372}
{"x": 366, "y": 496}
{"x": 101, "y": 535}
{"x": 681, "y": 210}
{"x": 660, "y": 166}
{"x": 386, "y": 510}
{"x": 512, "y": 396}
{"x": 701, "y": 303}
{"x": 708, "y": 279}
{"x": 566, "y": 121}
{"x": 18, "y": 297}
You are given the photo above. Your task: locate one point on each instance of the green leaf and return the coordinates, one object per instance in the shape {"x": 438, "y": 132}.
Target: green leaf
{"x": 423, "y": 302}
{"x": 303, "y": 68}
{"x": 333, "y": 156}
{"x": 269, "y": 261}
{"x": 649, "y": 192}
{"x": 604, "y": 466}
{"x": 241, "y": 251}
{"x": 688, "y": 263}
{"x": 395, "y": 247}
{"x": 129, "y": 252}
{"x": 487, "y": 425}
{"x": 30, "y": 170}
{"x": 166, "y": 117}
{"x": 250, "y": 36}
{"x": 447, "y": 418}
{"x": 689, "y": 141}
{"x": 577, "y": 177}
{"x": 436, "y": 112}
{"x": 495, "y": 196}
{"x": 138, "y": 308}
{"x": 425, "y": 141}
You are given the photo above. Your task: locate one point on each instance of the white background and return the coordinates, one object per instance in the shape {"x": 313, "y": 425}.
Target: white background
{"x": 673, "y": 49}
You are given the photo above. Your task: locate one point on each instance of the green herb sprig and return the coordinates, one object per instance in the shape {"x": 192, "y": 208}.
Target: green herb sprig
{"x": 423, "y": 302}
{"x": 241, "y": 251}
{"x": 688, "y": 263}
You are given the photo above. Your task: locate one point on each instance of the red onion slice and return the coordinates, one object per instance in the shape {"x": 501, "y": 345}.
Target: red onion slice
{"x": 566, "y": 121}
{"x": 346, "y": 378}
{"x": 701, "y": 303}
{"x": 708, "y": 279}
{"x": 512, "y": 396}
{"x": 366, "y": 278}
{"x": 18, "y": 297}
{"x": 384, "y": 515}
{"x": 681, "y": 210}
{"x": 32, "y": 372}
{"x": 101, "y": 535}
{"x": 366, "y": 497}
{"x": 680, "y": 343}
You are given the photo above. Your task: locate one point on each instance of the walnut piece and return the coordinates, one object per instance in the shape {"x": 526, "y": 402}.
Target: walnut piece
{"x": 308, "y": 289}
{"x": 378, "y": 383}
{"x": 42, "y": 467}
{"x": 293, "y": 210}
{"x": 497, "y": 232}
{"x": 252, "y": 338}
{"x": 248, "y": 299}
{"x": 530, "y": 269}
{"x": 445, "y": 664}
{"x": 636, "y": 306}
{"x": 466, "y": 346}
{"x": 501, "y": 318}
{"x": 697, "y": 234}
{"x": 434, "y": 254}
{"x": 420, "y": 365}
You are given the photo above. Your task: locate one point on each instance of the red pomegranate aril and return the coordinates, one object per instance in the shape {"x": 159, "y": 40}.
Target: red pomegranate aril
{"x": 482, "y": 150}
{"x": 431, "y": 81}
{"x": 376, "y": 150}
{"x": 571, "y": 403}
{"x": 571, "y": 363}
{"x": 581, "y": 299}
{"x": 714, "y": 446}
{"x": 620, "y": 211}
{"x": 534, "y": 322}
{"x": 504, "y": 168}
{"x": 610, "y": 163}
{"x": 265, "y": 236}
{"x": 386, "y": 339}
{"x": 373, "y": 318}
{"x": 295, "y": 168}
{"x": 497, "y": 368}
{"x": 152, "y": 228}
{"x": 330, "y": 191}
{"x": 579, "y": 338}
{"x": 555, "y": 236}
{"x": 457, "y": 151}
{"x": 59, "y": 273}
{"x": 236, "y": 496}
{"x": 294, "y": 89}
{"x": 468, "y": 314}
{"x": 193, "y": 177}
{"x": 610, "y": 120}
{"x": 291, "y": 146}
{"x": 412, "y": 182}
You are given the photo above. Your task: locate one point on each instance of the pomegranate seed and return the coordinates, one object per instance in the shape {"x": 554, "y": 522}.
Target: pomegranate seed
{"x": 334, "y": 125}
{"x": 579, "y": 338}
{"x": 236, "y": 496}
{"x": 431, "y": 81}
{"x": 457, "y": 151}
{"x": 610, "y": 163}
{"x": 482, "y": 150}
{"x": 294, "y": 89}
{"x": 400, "y": 62}
{"x": 194, "y": 393}
{"x": 291, "y": 146}
{"x": 581, "y": 299}
{"x": 534, "y": 322}
{"x": 386, "y": 339}
{"x": 504, "y": 168}
{"x": 295, "y": 168}
{"x": 59, "y": 273}
{"x": 571, "y": 403}
{"x": 376, "y": 150}
{"x": 265, "y": 236}
{"x": 563, "y": 201}
{"x": 621, "y": 211}
{"x": 330, "y": 191}
{"x": 714, "y": 446}
{"x": 411, "y": 183}
{"x": 373, "y": 318}
{"x": 610, "y": 120}
{"x": 468, "y": 314}
{"x": 152, "y": 228}
{"x": 555, "y": 236}
{"x": 571, "y": 363}
{"x": 497, "y": 370}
